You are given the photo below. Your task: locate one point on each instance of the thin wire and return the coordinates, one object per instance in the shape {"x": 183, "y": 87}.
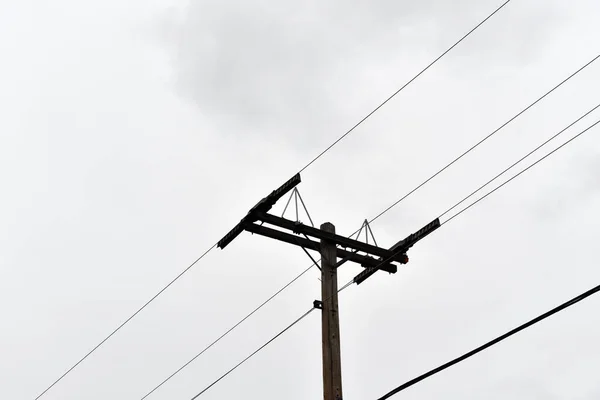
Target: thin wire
{"x": 227, "y": 332}
{"x": 405, "y": 85}
{"x": 253, "y": 353}
{"x": 520, "y": 172}
{"x": 521, "y": 159}
{"x": 492, "y": 342}
{"x": 485, "y": 138}
{"x": 127, "y": 320}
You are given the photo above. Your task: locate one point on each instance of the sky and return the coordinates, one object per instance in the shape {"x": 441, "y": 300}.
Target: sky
{"x": 135, "y": 134}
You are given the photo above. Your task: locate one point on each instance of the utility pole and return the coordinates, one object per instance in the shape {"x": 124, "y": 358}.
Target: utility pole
{"x": 331, "y": 246}
{"x": 332, "y": 364}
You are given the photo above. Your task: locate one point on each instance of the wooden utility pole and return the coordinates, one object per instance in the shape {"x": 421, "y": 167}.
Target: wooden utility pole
{"x": 332, "y": 365}
{"x": 371, "y": 257}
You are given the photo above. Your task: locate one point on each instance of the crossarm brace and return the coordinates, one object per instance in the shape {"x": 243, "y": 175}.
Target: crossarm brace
{"x": 342, "y": 241}
{"x": 364, "y": 261}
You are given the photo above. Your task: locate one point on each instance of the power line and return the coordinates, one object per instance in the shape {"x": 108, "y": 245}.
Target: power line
{"x": 521, "y": 172}
{"x": 485, "y": 138}
{"x": 491, "y": 343}
{"x": 405, "y": 85}
{"x": 521, "y": 159}
{"x": 127, "y": 320}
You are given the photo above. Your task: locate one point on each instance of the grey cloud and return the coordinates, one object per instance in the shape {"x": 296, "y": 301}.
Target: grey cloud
{"x": 284, "y": 68}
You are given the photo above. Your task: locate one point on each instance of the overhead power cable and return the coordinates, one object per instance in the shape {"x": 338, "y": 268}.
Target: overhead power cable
{"x": 520, "y": 173}
{"x": 485, "y": 138}
{"x": 127, "y": 320}
{"x": 405, "y": 85}
{"x": 491, "y": 343}
{"x": 521, "y": 159}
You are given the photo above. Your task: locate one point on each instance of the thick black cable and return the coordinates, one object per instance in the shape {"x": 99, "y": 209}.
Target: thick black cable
{"x": 519, "y": 161}
{"x": 484, "y": 139}
{"x": 521, "y": 172}
{"x": 491, "y": 343}
{"x": 227, "y": 332}
{"x": 405, "y": 85}
{"x": 127, "y": 320}
{"x": 253, "y": 353}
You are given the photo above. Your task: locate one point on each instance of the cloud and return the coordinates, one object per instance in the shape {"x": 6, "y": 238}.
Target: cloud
{"x": 289, "y": 69}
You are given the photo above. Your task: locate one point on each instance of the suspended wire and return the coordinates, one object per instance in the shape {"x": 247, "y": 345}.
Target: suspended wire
{"x": 404, "y": 86}
{"x": 127, "y": 320}
{"x": 492, "y": 342}
{"x": 485, "y": 138}
{"x": 521, "y": 172}
{"x": 521, "y": 159}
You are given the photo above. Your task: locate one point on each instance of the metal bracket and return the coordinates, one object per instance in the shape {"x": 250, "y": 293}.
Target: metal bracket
{"x": 318, "y": 304}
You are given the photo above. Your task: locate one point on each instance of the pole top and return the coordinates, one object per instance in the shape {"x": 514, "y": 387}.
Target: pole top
{"x": 328, "y": 227}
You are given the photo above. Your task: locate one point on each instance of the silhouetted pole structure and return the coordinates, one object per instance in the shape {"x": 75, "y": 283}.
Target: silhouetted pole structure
{"x": 331, "y": 246}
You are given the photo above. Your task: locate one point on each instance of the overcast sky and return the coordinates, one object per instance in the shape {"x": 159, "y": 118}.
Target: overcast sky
{"x": 134, "y": 134}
